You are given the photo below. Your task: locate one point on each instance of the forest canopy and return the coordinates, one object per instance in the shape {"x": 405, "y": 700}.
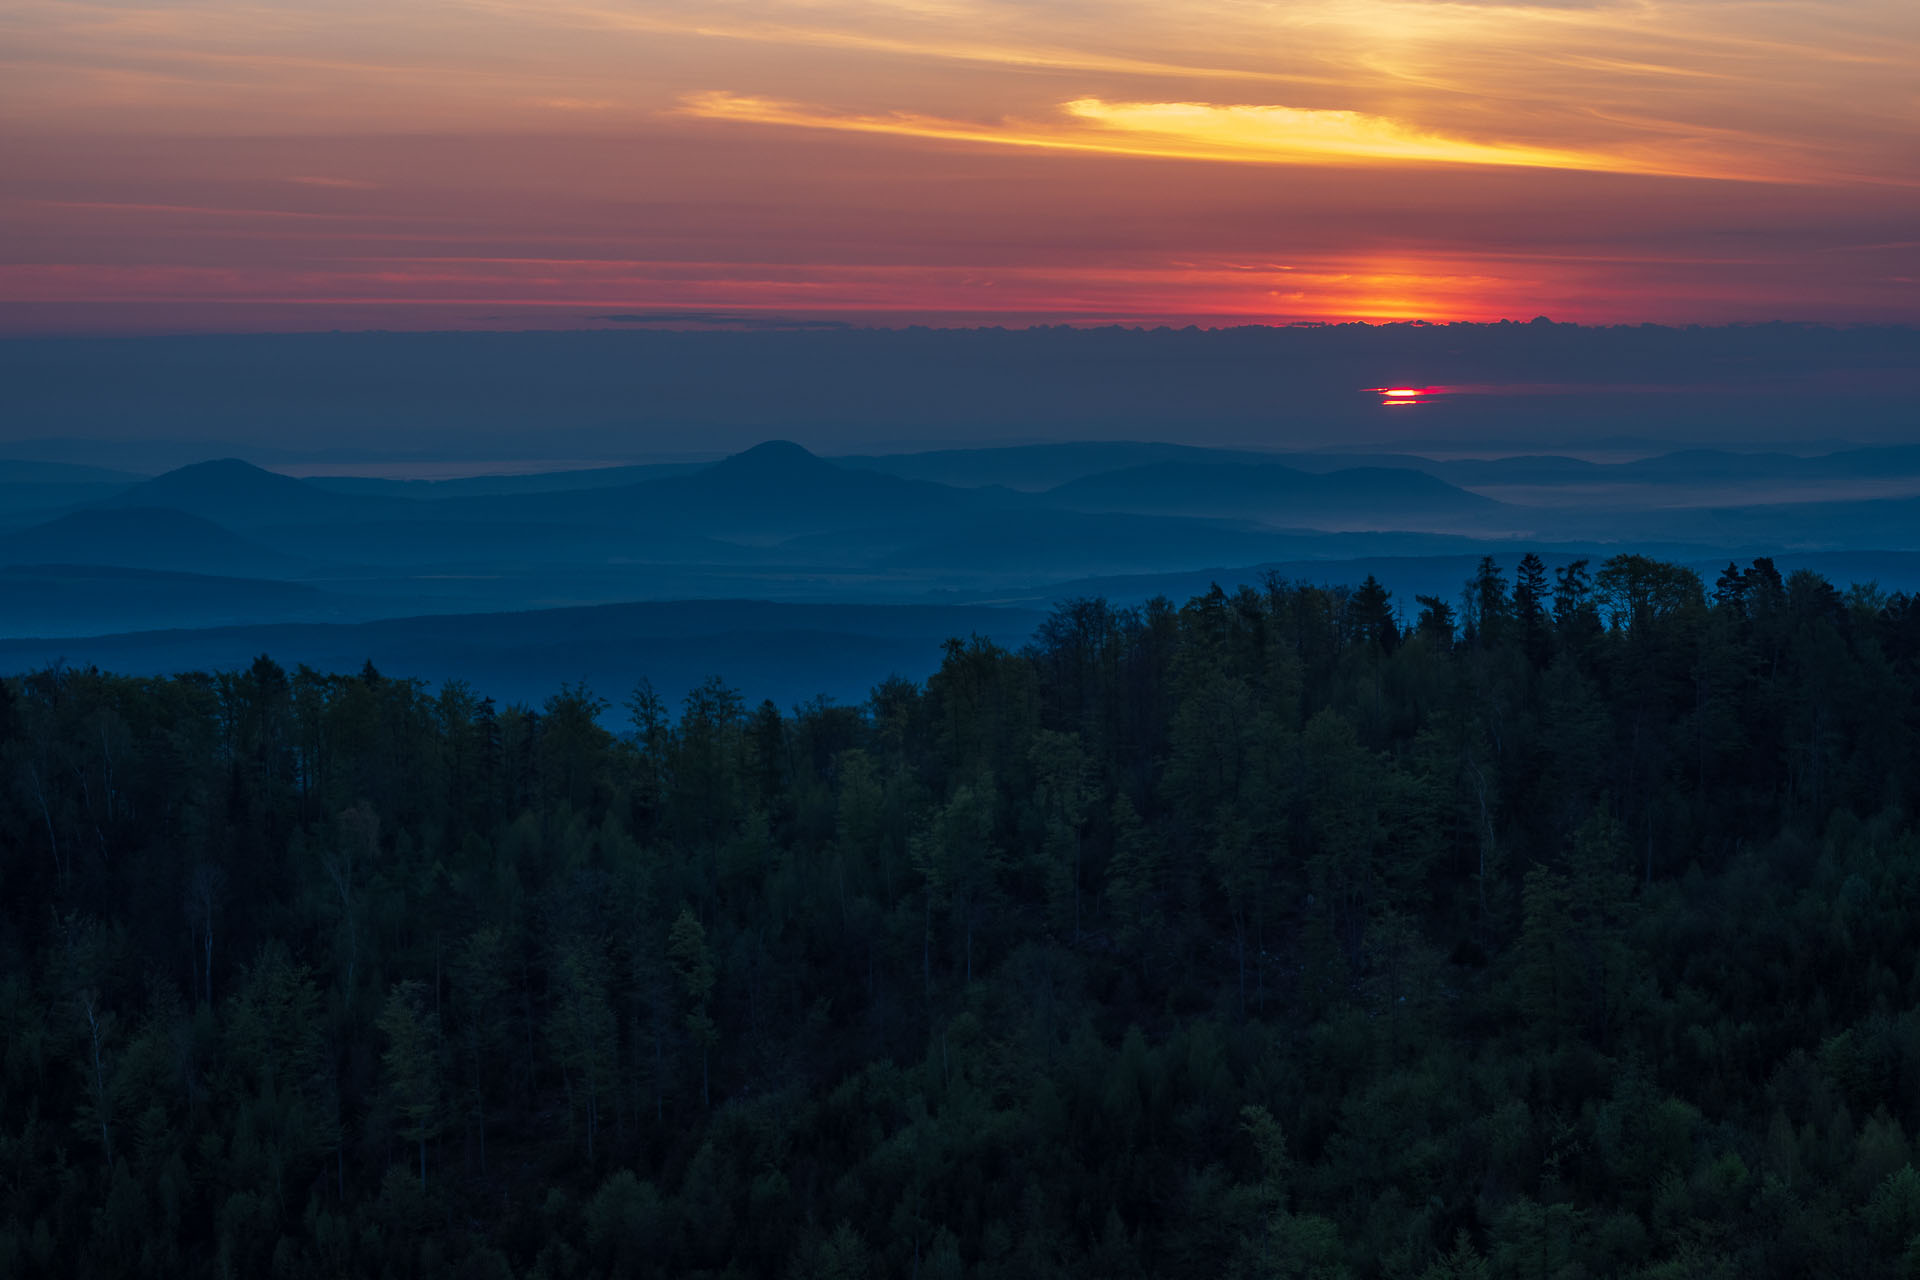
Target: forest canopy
{"x": 1565, "y": 928}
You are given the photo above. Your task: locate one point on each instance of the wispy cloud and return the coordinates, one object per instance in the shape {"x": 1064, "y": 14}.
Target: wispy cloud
{"x": 926, "y": 33}
{"x": 1230, "y": 132}
{"x": 1371, "y": 158}
{"x": 1818, "y": 88}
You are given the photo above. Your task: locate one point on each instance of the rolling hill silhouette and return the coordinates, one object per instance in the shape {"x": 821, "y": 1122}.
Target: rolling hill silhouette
{"x": 1357, "y": 498}
{"x": 1037, "y": 467}
{"x": 1890, "y": 524}
{"x": 786, "y": 652}
{"x": 568, "y": 480}
{"x": 779, "y": 487}
{"x": 33, "y": 491}
{"x": 85, "y": 600}
{"x": 230, "y": 491}
{"x": 143, "y": 538}
{"x": 776, "y": 489}
{"x": 501, "y": 539}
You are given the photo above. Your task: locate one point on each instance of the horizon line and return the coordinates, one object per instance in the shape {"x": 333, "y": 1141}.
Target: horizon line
{"x": 813, "y": 326}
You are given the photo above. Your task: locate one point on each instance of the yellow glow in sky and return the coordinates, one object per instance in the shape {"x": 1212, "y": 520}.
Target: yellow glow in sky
{"x": 1697, "y": 159}
{"x": 1237, "y": 133}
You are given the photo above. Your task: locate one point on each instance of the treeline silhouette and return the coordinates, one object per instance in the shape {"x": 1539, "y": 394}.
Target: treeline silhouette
{"x": 1567, "y": 928}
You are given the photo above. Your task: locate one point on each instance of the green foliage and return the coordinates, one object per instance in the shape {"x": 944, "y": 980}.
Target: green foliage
{"x": 1566, "y": 932}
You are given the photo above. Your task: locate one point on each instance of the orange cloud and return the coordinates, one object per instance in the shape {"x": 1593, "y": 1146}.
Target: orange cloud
{"x": 1351, "y": 158}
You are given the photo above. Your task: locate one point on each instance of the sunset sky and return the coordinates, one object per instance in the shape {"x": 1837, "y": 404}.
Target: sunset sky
{"x": 408, "y": 164}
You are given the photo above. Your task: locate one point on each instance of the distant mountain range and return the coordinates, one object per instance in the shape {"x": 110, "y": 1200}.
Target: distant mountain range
{"x": 779, "y": 502}
{"x": 87, "y": 550}
{"x": 787, "y": 653}
{"x": 773, "y": 489}
{"x": 229, "y": 489}
{"x": 1040, "y": 467}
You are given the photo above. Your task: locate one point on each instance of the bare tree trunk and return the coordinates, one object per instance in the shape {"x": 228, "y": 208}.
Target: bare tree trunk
{"x": 95, "y": 1033}
{"x": 340, "y": 871}
{"x": 46, "y": 816}
{"x": 203, "y": 895}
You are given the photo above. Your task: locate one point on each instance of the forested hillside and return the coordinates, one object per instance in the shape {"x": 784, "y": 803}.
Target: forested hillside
{"x": 1567, "y": 928}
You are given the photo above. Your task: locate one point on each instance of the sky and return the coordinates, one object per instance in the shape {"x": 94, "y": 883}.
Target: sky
{"x": 633, "y": 394}
{"x": 484, "y": 164}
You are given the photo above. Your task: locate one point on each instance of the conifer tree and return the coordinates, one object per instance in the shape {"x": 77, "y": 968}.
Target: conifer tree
{"x": 1530, "y": 608}
{"x": 693, "y": 965}
{"x": 412, "y": 1064}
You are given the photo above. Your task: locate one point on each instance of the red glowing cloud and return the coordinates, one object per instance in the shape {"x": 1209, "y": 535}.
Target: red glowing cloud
{"x": 1393, "y": 396}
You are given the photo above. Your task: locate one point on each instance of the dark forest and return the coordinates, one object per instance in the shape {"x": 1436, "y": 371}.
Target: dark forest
{"x": 1566, "y": 928}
